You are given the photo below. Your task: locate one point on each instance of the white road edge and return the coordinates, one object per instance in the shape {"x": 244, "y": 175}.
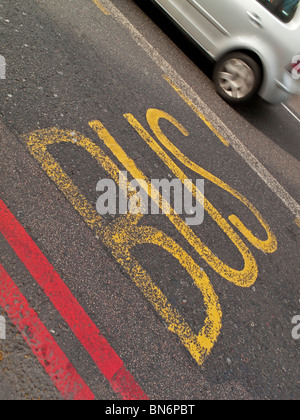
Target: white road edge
{"x": 291, "y": 112}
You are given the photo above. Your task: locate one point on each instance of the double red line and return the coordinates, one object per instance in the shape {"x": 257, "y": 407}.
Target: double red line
{"x": 41, "y": 342}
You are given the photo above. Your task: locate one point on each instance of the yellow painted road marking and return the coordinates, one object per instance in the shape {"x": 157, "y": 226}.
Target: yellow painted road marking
{"x": 101, "y": 7}
{"x": 196, "y": 110}
{"x": 153, "y": 117}
{"x": 243, "y": 278}
{"x": 297, "y": 221}
{"x": 123, "y": 235}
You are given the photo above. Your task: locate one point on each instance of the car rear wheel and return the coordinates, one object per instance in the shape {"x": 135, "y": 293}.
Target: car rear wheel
{"x": 238, "y": 78}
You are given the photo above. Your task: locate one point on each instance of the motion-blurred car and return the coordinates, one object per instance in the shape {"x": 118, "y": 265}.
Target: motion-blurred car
{"x": 255, "y": 44}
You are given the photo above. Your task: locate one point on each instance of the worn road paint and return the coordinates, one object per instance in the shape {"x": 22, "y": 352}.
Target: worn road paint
{"x": 123, "y": 235}
{"x": 106, "y": 359}
{"x": 101, "y": 7}
{"x": 244, "y": 278}
{"x": 297, "y": 221}
{"x": 62, "y": 373}
{"x": 153, "y": 117}
{"x": 196, "y": 110}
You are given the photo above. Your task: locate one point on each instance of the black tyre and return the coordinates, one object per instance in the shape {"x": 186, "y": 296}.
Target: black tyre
{"x": 238, "y": 78}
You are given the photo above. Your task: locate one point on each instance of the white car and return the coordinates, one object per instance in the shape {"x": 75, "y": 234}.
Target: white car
{"x": 255, "y": 44}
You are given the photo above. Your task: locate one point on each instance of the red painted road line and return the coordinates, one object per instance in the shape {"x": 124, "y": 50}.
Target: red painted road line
{"x": 61, "y": 371}
{"x": 124, "y": 384}
{"x": 82, "y": 326}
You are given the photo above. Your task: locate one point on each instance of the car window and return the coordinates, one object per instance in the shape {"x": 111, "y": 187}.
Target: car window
{"x": 283, "y": 9}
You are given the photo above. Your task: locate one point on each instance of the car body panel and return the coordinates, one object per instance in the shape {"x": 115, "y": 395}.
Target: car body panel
{"x": 223, "y": 27}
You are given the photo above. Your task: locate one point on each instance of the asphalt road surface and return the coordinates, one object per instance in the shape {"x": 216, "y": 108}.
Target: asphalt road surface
{"x": 131, "y": 306}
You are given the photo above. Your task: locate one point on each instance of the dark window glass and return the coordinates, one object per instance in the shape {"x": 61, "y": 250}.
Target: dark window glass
{"x": 283, "y": 9}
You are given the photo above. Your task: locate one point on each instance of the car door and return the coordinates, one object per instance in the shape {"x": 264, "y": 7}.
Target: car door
{"x": 192, "y": 17}
{"x": 211, "y": 22}
{"x": 243, "y": 20}
{"x": 228, "y": 18}
{"x": 218, "y": 25}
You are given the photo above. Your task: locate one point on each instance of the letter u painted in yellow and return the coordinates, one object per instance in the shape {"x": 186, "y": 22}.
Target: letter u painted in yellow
{"x": 248, "y": 275}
